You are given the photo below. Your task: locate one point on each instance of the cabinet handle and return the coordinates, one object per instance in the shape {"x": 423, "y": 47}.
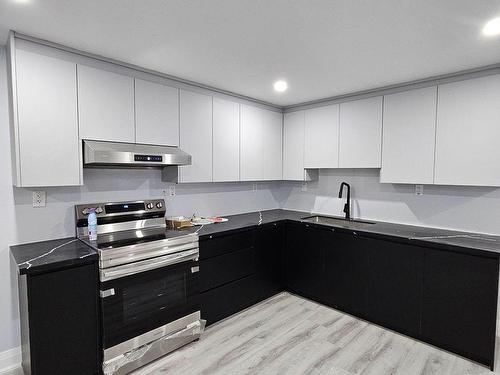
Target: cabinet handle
{"x": 195, "y": 269}
{"x": 107, "y": 293}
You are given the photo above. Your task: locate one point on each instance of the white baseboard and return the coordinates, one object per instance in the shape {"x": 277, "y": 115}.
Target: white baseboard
{"x": 10, "y": 360}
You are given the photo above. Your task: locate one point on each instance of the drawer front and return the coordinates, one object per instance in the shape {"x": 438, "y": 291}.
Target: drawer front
{"x": 219, "y": 303}
{"x": 225, "y": 268}
{"x": 212, "y": 247}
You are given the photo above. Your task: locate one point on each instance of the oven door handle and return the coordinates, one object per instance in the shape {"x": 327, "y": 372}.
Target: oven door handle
{"x": 146, "y": 265}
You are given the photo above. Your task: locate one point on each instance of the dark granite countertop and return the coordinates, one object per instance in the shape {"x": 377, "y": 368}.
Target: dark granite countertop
{"x": 51, "y": 255}
{"x": 409, "y": 233}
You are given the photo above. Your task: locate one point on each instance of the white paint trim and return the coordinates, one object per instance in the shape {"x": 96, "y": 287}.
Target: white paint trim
{"x": 10, "y": 360}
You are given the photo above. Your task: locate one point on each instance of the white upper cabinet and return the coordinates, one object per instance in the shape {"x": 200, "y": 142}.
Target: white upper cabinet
{"x": 468, "y": 133}
{"x": 47, "y": 149}
{"x": 196, "y": 136}
{"x": 156, "y": 113}
{"x": 360, "y": 136}
{"x": 251, "y": 143}
{"x": 261, "y": 140}
{"x": 409, "y": 137}
{"x": 226, "y": 140}
{"x": 322, "y": 137}
{"x": 105, "y": 105}
{"x": 293, "y": 146}
{"x": 272, "y": 145}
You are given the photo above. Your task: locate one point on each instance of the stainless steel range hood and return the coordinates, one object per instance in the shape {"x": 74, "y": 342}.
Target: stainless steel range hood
{"x": 131, "y": 155}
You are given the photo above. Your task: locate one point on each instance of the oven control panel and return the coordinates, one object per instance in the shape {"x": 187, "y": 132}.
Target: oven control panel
{"x": 121, "y": 208}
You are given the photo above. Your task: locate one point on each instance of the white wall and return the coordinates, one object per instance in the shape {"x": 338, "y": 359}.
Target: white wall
{"x": 9, "y": 316}
{"x": 475, "y": 209}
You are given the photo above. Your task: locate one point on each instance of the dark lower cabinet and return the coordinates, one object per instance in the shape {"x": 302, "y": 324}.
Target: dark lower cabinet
{"x": 447, "y": 298}
{"x": 346, "y": 272}
{"x": 239, "y": 270}
{"x": 269, "y": 241}
{"x": 59, "y": 322}
{"x": 305, "y": 260}
{"x": 394, "y": 285}
{"x": 460, "y": 303}
{"x": 228, "y": 299}
{"x": 223, "y": 269}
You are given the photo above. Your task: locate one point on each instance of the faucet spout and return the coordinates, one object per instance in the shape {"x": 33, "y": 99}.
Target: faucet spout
{"x": 347, "y": 206}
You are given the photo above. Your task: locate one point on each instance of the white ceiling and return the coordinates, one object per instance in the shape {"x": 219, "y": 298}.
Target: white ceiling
{"x": 321, "y": 47}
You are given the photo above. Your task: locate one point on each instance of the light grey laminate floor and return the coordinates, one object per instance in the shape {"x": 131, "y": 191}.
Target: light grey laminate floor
{"x": 290, "y": 335}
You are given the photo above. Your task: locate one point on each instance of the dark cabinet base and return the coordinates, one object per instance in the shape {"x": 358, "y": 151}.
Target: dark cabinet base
{"x": 239, "y": 270}
{"x": 59, "y": 322}
{"x": 219, "y": 303}
{"x": 460, "y": 304}
{"x": 446, "y": 298}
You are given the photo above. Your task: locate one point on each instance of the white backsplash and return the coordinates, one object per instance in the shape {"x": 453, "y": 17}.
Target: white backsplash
{"x": 475, "y": 209}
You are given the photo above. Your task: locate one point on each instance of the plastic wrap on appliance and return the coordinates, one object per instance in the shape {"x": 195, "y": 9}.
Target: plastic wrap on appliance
{"x": 113, "y": 365}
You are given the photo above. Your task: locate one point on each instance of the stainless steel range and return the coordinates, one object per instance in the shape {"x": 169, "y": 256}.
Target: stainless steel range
{"x": 148, "y": 282}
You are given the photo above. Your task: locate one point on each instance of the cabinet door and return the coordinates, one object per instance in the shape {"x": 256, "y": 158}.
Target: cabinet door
{"x": 269, "y": 241}
{"x": 63, "y": 321}
{"x": 156, "y": 113}
{"x": 105, "y": 105}
{"x": 394, "y": 281}
{"x": 47, "y": 121}
{"x": 196, "y": 136}
{"x": 346, "y": 272}
{"x": 468, "y": 130}
{"x": 228, "y": 299}
{"x": 226, "y": 268}
{"x": 272, "y": 157}
{"x": 261, "y": 156}
{"x": 322, "y": 137}
{"x": 460, "y": 302}
{"x": 360, "y": 136}
{"x": 252, "y": 132}
{"x": 226, "y": 140}
{"x": 409, "y": 137}
{"x": 305, "y": 260}
{"x": 293, "y": 146}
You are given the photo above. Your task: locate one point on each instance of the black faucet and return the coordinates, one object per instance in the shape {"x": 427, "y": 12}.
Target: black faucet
{"x": 347, "y": 207}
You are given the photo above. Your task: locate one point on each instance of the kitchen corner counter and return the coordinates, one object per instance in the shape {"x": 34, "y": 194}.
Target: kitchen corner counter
{"x": 442, "y": 238}
{"x": 50, "y": 255}
{"x": 249, "y": 220}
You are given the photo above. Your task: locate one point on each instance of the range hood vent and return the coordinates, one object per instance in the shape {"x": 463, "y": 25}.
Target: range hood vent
{"x": 131, "y": 155}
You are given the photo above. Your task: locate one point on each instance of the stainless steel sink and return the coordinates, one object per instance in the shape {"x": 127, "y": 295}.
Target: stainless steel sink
{"x": 328, "y": 220}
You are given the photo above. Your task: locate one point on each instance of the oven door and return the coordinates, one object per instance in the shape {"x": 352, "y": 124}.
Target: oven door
{"x": 149, "y": 295}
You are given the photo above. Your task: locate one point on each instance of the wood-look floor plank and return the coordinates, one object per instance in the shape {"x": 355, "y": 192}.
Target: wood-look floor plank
{"x": 290, "y": 335}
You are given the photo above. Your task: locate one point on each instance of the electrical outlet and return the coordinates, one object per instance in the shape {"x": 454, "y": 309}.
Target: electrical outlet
{"x": 254, "y": 186}
{"x": 419, "y": 189}
{"x": 39, "y": 199}
{"x": 304, "y": 186}
{"x": 171, "y": 190}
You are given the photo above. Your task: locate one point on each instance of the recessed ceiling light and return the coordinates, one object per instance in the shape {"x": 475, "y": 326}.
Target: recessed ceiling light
{"x": 492, "y": 27}
{"x": 280, "y": 86}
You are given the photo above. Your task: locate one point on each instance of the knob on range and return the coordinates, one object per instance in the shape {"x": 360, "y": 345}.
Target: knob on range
{"x": 149, "y": 205}
{"x": 98, "y": 210}
{"x": 159, "y": 205}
